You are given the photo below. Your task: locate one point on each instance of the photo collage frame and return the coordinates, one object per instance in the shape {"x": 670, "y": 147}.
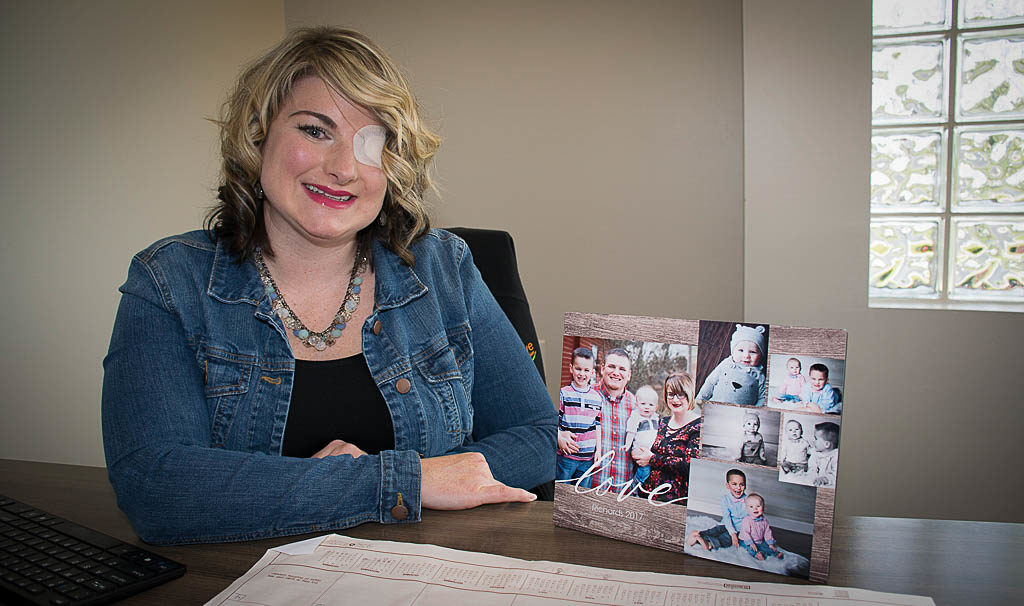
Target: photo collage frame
{"x": 715, "y": 439}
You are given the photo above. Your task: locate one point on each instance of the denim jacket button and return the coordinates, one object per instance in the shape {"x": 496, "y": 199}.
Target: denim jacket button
{"x": 376, "y": 327}
{"x": 402, "y": 385}
{"x": 399, "y": 512}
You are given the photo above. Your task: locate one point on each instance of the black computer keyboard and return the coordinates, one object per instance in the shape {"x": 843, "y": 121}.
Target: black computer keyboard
{"x": 49, "y": 560}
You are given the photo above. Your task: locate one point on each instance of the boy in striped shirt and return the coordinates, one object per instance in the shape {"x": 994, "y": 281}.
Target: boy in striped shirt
{"x": 579, "y": 419}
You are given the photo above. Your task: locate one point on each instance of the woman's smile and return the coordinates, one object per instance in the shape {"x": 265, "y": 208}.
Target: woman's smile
{"x": 325, "y": 196}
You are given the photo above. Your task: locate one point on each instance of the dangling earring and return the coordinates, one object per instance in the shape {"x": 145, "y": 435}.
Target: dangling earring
{"x": 259, "y": 192}
{"x": 380, "y": 219}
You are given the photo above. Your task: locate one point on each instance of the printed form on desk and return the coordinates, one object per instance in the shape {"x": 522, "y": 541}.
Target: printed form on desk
{"x": 335, "y": 569}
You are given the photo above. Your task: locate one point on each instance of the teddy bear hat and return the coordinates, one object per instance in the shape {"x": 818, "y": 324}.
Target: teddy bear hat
{"x": 754, "y": 334}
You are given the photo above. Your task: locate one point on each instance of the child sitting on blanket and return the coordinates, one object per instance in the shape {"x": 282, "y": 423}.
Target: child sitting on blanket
{"x": 755, "y": 532}
{"x": 726, "y": 534}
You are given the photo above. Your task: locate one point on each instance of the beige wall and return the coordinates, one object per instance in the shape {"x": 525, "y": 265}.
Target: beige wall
{"x": 606, "y": 138}
{"x": 932, "y": 426}
{"x": 105, "y": 149}
{"x": 626, "y": 123}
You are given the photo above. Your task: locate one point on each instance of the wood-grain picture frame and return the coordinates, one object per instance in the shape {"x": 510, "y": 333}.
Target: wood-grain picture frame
{"x": 616, "y": 369}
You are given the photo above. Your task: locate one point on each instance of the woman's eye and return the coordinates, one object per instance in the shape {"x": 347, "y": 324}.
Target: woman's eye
{"x": 313, "y": 131}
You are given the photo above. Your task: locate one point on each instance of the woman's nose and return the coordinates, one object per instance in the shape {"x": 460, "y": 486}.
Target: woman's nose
{"x": 341, "y": 163}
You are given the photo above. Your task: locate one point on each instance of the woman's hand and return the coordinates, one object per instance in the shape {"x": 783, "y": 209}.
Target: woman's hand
{"x": 567, "y": 443}
{"x": 463, "y": 481}
{"x": 642, "y": 456}
{"x": 338, "y": 447}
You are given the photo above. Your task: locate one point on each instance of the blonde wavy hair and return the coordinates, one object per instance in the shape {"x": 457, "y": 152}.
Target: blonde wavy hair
{"x": 354, "y": 66}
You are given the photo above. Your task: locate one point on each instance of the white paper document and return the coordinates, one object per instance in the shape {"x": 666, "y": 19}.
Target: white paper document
{"x": 335, "y": 569}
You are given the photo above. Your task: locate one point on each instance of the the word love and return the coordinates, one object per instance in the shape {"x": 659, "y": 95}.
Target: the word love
{"x": 624, "y": 489}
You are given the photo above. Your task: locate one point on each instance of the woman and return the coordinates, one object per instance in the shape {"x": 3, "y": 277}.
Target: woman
{"x": 318, "y": 357}
{"x": 677, "y": 442}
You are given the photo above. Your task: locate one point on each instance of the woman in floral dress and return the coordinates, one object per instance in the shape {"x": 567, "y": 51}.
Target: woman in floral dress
{"x": 678, "y": 441}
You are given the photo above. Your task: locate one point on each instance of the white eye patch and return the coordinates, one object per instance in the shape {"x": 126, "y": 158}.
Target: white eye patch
{"x": 368, "y": 145}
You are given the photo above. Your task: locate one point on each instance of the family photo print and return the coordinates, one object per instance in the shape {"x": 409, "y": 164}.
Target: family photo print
{"x": 715, "y": 439}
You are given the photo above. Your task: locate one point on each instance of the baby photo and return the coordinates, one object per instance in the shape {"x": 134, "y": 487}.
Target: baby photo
{"x": 806, "y": 383}
{"x": 731, "y": 368}
{"x": 612, "y": 404}
{"x": 745, "y": 516}
{"x": 743, "y": 435}
{"x": 809, "y": 450}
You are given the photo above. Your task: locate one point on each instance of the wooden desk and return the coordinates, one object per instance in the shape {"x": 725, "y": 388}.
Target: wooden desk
{"x": 953, "y": 562}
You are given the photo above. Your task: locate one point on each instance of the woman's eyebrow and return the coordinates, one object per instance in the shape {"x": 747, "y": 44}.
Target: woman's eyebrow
{"x": 323, "y": 118}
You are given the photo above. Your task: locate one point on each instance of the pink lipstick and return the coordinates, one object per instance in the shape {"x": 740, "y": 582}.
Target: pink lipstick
{"x": 331, "y": 198}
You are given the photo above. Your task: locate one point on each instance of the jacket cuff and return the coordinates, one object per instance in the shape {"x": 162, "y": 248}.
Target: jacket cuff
{"x": 400, "y": 486}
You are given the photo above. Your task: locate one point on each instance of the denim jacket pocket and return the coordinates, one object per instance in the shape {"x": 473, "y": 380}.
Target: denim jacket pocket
{"x": 226, "y": 378}
{"x": 462, "y": 349}
{"x": 440, "y": 365}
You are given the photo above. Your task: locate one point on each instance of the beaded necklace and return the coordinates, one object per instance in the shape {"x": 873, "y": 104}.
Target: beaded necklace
{"x": 327, "y": 337}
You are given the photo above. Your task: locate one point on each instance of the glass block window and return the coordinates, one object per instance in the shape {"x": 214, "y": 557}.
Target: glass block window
{"x": 904, "y": 257}
{"x": 908, "y": 81}
{"x": 894, "y": 17}
{"x": 908, "y": 170}
{"x": 947, "y": 154}
{"x": 988, "y": 256}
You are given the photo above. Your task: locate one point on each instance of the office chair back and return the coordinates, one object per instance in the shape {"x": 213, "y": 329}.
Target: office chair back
{"x": 495, "y": 257}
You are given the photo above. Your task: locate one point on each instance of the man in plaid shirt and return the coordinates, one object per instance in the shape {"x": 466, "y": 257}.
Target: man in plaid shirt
{"x": 618, "y": 403}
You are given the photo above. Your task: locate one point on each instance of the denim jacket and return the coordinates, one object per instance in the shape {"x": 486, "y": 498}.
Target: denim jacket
{"x": 198, "y": 381}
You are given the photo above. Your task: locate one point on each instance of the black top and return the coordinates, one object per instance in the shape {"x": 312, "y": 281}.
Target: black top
{"x": 336, "y": 400}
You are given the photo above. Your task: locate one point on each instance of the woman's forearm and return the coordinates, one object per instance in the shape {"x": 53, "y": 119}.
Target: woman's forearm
{"x": 191, "y": 494}
{"x": 514, "y": 419}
